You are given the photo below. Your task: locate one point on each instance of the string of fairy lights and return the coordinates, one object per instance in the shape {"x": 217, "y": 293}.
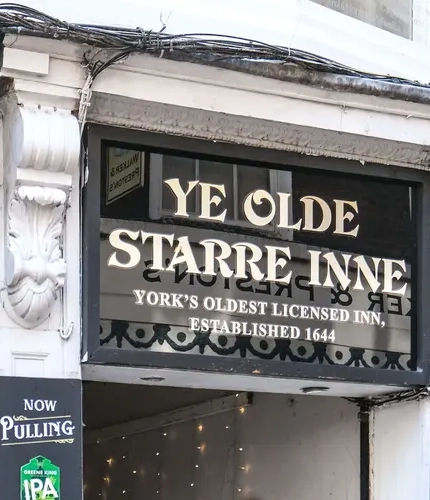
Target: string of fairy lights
{"x": 124, "y": 473}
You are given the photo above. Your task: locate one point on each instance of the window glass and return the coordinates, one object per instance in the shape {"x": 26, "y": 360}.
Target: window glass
{"x": 249, "y": 179}
{"x": 219, "y": 173}
{"x": 175, "y": 167}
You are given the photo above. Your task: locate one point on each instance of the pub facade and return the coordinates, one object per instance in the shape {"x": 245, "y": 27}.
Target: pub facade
{"x": 214, "y": 278}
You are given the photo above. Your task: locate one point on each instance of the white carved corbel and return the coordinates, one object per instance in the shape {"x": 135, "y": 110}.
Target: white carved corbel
{"x": 45, "y": 145}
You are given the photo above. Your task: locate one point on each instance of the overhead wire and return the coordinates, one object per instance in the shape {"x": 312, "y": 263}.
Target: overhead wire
{"x": 20, "y": 19}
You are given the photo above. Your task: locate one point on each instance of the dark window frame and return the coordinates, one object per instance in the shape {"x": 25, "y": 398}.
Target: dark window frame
{"x": 92, "y": 353}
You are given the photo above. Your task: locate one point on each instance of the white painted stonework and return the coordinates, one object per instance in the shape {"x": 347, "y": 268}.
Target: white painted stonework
{"x": 41, "y": 148}
{"x": 158, "y": 95}
{"x": 43, "y": 140}
{"x": 41, "y": 270}
{"x": 400, "y": 451}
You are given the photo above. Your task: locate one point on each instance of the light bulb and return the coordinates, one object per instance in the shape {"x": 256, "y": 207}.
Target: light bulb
{"x": 157, "y": 454}
{"x": 239, "y": 490}
{"x": 199, "y": 447}
{"x": 123, "y": 492}
{"x": 197, "y": 466}
{"x": 242, "y": 409}
{"x": 237, "y": 395}
{"x": 123, "y": 456}
{"x": 135, "y": 472}
{"x": 109, "y": 461}
{"x": 240, "y": 449}
{"x": 227, "y": 427}
{"x": 192, "y": 484}
{"x": 200, "y": 427}
{"x": 164, "y": 433}
{"x": 123, "y": 437}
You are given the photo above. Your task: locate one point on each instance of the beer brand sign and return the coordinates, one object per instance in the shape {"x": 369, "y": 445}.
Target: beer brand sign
{"x": 40, "y": 480}
{"x": 41, "y": 438}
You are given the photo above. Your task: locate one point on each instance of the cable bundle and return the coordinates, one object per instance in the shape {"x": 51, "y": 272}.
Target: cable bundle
{"x": 15, "y": 18}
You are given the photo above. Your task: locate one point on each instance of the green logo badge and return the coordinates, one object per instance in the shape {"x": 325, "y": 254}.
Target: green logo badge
{"x": 40, "y": 480}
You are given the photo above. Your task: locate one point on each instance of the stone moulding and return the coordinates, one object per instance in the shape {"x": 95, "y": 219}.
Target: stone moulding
{"x": 247, "y": 131}
{"x": 42, "y": 140}
{"x": 46, "y": 139}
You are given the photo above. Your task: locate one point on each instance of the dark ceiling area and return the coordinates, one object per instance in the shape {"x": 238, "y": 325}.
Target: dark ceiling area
{"x": 108, "y": 404}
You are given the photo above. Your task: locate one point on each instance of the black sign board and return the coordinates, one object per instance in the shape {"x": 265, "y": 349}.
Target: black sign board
{"x": 222, "y": 257}
{"x": 41, "y": 438}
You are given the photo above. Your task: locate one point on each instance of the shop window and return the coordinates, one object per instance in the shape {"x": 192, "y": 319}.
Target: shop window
{"x": 348, "y": 224}
{"x": 238, "y": 181}
{"x": 128, "y": 196}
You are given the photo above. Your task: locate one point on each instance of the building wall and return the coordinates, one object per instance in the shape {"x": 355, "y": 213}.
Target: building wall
{"x": 399, "y": 443}
{"x": 299, "y": 24}
{"x": 40, "y": 219}
{"x": 286, "y": 447}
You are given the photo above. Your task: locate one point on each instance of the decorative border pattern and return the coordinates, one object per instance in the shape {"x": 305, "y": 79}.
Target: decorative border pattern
{"x": 120, "y": 334}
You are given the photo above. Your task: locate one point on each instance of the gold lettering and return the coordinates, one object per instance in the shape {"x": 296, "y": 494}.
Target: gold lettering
{"x": 390, "y": 275}
{"x": 210, "y": 258}
{"x": 207, "y": 201}
{"x": 183, "y": 253}
{"x": 242, "y": 260}
{"x": 308, "y": 202}
{"x": 273, "y": 263}
{"x": 257, "y": 197}
{"x": 342, "y": 216}
{"x": 181, "y": 195}
{"x": 128, "y": 248}
{"x": 284, "y": 212}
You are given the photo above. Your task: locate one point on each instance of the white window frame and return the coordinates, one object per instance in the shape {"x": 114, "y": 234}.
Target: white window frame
{"x": 279, "y": 181}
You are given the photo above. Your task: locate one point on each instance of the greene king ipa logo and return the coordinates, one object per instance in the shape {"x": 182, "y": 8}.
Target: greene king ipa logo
{"x": 40, "y": 480}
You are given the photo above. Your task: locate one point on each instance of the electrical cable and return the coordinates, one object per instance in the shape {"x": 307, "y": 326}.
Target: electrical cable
{"x": 19, "y": 19}
{"x": 398, "y": 397}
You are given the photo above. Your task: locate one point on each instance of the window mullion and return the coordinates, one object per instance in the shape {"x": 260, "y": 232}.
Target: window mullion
{"x": 155, "y": 185}
{"x": 235, "y": 193}
{"x": 197, "y": 173}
